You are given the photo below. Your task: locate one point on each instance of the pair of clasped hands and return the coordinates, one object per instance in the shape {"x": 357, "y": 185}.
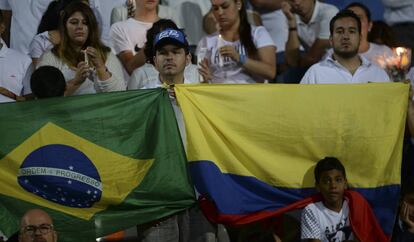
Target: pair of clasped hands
{"x": 225, "y": 51}
{"x": 92, "y": 61}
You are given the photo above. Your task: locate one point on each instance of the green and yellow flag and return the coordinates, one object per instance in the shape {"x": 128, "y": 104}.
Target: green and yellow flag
{"x": 96, "y": 163}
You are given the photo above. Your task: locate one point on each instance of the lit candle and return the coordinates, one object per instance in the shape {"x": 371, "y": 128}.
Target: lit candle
{"x": 220, "y": 43}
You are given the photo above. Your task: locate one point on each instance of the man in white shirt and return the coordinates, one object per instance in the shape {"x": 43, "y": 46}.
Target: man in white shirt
{"x": 308, "y": 25}
{"x": 26, "y": 15}
{"x": 15, "y": 71}
{"x": 128, "y": 37}
{"x": 345, "y": 65}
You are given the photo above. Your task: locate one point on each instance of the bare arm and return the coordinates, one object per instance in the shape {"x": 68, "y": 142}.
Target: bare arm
{"x": 292, "y": 53}
{"x": 315, "y": 53}
{"x": 131, "y": 61}
{"x": 264, "y": 66}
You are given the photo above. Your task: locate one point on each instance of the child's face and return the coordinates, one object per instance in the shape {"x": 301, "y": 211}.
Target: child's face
{"x": 332, "y": 185}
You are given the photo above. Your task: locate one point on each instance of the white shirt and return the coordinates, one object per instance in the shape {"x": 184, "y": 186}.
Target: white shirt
{"x": 398, "y": 11}
{"x": 275, "y": 23}
{"x": 319, "y": 222}
{"x": 40, "y": 44}
{"x": 102, "y": 10}
{"x": 92, "y": 84}
{"x": 128, "y": 34}
{"x": 231, "y": 71}
{"x": 15, "y": 72}
{"x": 142, "y": 76}
{"x": 318, "y": 26}
{"x": 330, "y": 71}
{"x": 375, "y": 53}
{"x": 26, "y": 15}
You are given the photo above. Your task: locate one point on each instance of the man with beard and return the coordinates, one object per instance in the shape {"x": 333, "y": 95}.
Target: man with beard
{"x": 36, "y": 225}
{"x": 344, "y": 65}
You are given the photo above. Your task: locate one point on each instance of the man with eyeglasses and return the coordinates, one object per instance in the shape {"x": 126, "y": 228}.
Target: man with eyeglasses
{"x": 37, "y": 226}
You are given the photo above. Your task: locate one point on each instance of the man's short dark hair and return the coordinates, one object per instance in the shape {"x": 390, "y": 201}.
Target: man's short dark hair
{"x": 346, "y": 13}
{"x": 363, "y": 7}
{"x": 328, "y": 164}
{"x": 1, "y": 17}
{"x": 47, "y": 81}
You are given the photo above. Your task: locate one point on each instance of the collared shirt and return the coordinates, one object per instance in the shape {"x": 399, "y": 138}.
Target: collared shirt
{"x": 318, "y": 26}
{"x": 330, "y": 71}
{"x": 15, "y": 72}
{"x": 376, "y": 53}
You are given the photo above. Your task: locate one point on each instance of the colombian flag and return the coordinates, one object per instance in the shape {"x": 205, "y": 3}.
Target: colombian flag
{"x": 252, "y": 148}
{"x": 97, "y": 163}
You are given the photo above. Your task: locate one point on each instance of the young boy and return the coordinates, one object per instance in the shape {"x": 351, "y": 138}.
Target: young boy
{"x": 328, "y": 220}
{"x": 404, "y": 227}
{"x": 47, "y": 81}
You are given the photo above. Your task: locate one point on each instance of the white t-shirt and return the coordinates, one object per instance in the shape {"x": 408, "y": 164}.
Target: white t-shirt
{"x": 319, "y": 222}
{"x": 275, "y": 23}
{"x": 375, "y": 53}
{"x": 40, "y": 44}
{"x": 15, "y": 72}
{"x": 129, "y": 34}
{"x": 102, "y": 10}
{"x": 26, "y": 15}
{"x": 90, "y": 85}
{"x": 330, "y": 71}
{"x": 318, "y": 26}
{"x": 142, "y": 76}
{"x": 231, "y": 71}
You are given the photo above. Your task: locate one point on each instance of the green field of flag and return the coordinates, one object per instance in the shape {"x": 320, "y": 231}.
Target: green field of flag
{"x": 96, "y": 163}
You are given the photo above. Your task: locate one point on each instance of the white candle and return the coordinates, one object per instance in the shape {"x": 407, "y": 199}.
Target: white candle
{"x": 85, "y": 56}
{"x": 220, "y": 43}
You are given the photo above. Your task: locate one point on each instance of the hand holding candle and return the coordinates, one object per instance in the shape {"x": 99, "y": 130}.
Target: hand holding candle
{"x": 220, "y": 43}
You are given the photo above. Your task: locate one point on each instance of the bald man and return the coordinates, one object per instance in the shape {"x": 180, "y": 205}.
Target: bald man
{"x": 37, "y": 226}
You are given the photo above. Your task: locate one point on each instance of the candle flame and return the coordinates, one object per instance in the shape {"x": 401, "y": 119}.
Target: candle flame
{"x": 400, "y": 50}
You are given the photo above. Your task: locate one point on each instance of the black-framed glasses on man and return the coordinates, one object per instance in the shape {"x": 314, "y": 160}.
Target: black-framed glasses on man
{"x": 43, "y": 229}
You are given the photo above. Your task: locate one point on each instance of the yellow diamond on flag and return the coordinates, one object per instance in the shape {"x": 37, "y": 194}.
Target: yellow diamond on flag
{"x": 57, "y": 169}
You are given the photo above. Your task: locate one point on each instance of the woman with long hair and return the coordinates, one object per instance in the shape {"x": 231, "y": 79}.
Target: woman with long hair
{"x": 238, "y": 52}
{"x": 86, "y": 63}
{"x": 47, "y": 33}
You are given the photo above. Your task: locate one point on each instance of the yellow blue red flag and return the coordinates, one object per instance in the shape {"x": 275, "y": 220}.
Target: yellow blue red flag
{"x": 252, "y": 148}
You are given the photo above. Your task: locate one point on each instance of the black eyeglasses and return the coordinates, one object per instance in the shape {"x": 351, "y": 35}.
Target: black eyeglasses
{"x": 43, "y": 229}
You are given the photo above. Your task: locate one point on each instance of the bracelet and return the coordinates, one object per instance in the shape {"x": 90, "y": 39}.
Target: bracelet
{"x": 293, "y": 29}
{"x": 242, "y": 59}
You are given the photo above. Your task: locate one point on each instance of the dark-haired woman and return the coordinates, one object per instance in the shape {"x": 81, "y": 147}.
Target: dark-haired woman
{"x": 86, "y": 63}
{"x": 239, "y": 52}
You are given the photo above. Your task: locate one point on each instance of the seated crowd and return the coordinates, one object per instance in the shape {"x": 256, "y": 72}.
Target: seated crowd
{"x": 76, "y": 47}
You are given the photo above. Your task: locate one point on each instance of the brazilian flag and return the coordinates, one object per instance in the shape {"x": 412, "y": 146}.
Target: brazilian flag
{"x": 96, "y": 163}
